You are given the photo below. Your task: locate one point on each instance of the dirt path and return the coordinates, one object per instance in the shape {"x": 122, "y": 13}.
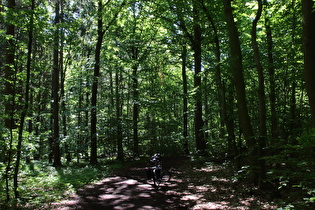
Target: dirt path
{"x": 191, "y": 187}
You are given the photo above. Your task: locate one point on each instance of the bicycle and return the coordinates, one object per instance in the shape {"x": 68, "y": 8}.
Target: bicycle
{"x": 158, "y": 173}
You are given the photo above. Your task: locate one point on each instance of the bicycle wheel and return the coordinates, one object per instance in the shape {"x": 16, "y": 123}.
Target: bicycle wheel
{"x": 157, "y": 178}
{"x": 165, "y": 175}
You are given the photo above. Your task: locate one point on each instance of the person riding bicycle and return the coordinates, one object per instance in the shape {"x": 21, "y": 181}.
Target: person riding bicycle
{"x": 155, "y": 167}
{"x": 157, "y": 172}
{"x": 156, "y": 159}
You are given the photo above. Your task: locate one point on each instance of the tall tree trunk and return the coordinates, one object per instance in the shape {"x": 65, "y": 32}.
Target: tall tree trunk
{"x": 9, "y": 69}
{"x": 229, "y": 98}
{"x": 195, "y": 40}
{"x": 185, "y": 100}
{"x": 26, "y": 102}
{"x": 135, "y": 110}
{"x": 111, "y": 109}
{"x": 8, "y": 167}
{"x": 237, "y": 70}
{"x": 120, "y": 152}
{"x": 55, "y": 89}
{"x": 261, "y": 92}
{"x": 134, "y": 51}
{"x": 9, "y": 90}
{"x": 63, "y": 68}
{"x": 135, "y": 95}
{"x": 226, "y": 119}
{"x": 196, "y": 45}
{"x": 86, "y": 123}
{"x": 291, "y": 65}
{"x": 100, "y": 35}
{"x": 79, "y": 141}
{"x": 271, "y": 72}
{"x": 309, "y": 52}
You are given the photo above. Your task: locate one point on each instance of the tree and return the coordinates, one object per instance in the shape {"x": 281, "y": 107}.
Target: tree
{"x": 195, "y": 39}
{"x": 9, "y": 89}
{"x": 261, "y": 91}
{"x": 63, "y": 68}
{"x": 100, "y": 35}
{"x": 120, "y": 151}
{"x": 309, "y": 52}
{"x": 101, "y": 30}
{"x": 26, "y": 102}
{"x": 185, "y": 99}
{"x": 55, "y": 90}
{"x": 226, "y": 116}
{"x": 271, "y": 71}
{"x": 9, "y": 67}
{"x": 196, "y": 46}
{"x": 237, "y": 70}
{"x": 134, "y": 50}
{"x": 135, "y": 94}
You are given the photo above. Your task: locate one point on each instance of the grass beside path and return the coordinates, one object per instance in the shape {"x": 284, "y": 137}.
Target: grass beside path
{"x": 40, "y": 183}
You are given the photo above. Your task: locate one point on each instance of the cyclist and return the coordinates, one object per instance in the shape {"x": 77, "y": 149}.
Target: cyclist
{"x": 157, "y": 172}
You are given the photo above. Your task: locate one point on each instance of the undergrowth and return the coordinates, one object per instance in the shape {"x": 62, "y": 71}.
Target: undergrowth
{"x": 40, "y": 183}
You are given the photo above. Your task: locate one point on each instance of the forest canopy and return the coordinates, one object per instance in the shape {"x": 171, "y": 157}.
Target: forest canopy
{"x": 123, "y": 79}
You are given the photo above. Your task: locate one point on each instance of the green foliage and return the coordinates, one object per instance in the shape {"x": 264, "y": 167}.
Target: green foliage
{"x": 41, "y": 184}
{"x": 292, "y": 169}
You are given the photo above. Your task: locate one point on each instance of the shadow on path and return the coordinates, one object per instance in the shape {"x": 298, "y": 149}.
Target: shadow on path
{"x": 128, "y": 189}
{"x": 122, "y": 193}
{"x": 206, "y": 187}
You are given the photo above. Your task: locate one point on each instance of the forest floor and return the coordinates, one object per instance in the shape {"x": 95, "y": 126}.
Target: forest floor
{"x": 192, "y": 186}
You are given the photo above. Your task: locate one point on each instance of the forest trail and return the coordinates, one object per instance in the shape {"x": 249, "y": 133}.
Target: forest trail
{"x": 192, "y": 186}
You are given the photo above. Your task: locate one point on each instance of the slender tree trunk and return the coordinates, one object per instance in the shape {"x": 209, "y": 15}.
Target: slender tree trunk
{"x": 100, "y": 35}
{"x": 261, "y": 92}
{"x": 185, "y": 100}
{"x": 134, "y": 51}
{"x": 135, "y": 110}
{"x": 26, "y": 102}
{"x": 220, "y": 90}
{"x": 237, "y": 70}
{"x": 9, "y": 69}
{"x": 8, "y": 167}
{"x": 63, "y": 105}
{"x": 196, "y": 45}
{"x": 271, "y": 71}
{"x": 135, "y": 96}
{"x": 9, "y": 91}
{"x": 309, "y": 52}
{"x": 79, "y": 141}
{"x": 229, "y": 119}
{"x": 294, "y": 124}
{"x": 86, "y": 123}
{"x": 55, "y": 89}
{"x": 195, "y": 40}
{"x": 120, "y": 152}
{"x": 111, "y": 109}
{"x": 226, "y": 119}
{"x": 63, "y": 69}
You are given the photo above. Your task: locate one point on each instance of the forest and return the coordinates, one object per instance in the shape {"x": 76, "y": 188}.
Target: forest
{"x": 89, "y": 87}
